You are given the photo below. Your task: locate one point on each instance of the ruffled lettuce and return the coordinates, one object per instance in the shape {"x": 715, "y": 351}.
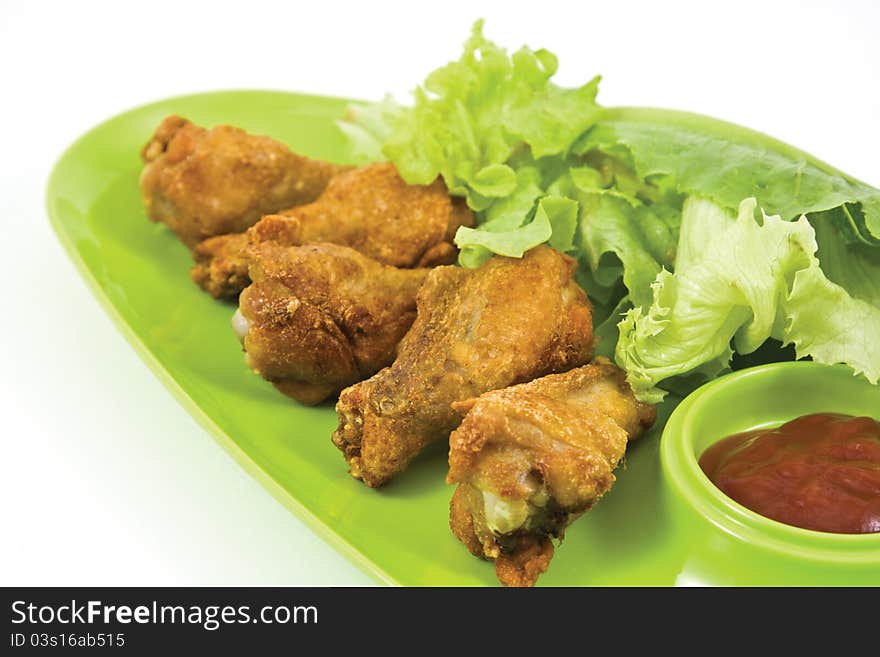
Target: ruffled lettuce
{"x": 736, "y": 284}
{"x": 499, "y": 132}
{"x": 554, "y": 221}
{"x": 541, "y": 163}
{"x": 368, "y": 126}
{"x": 726, "y": 163}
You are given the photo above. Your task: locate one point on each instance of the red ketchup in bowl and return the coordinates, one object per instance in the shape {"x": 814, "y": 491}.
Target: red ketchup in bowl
{"x": 818, "y": 472}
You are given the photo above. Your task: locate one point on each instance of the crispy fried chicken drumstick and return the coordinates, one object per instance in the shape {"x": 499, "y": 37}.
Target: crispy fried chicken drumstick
{"x": 203, "y": 183}
{"x": 320, "y": 317}
{"x": 222, "y": 264}
{"x": 530, "y": 459}
{"x": 370, "y": 209}
{"x": 507, "y": 322}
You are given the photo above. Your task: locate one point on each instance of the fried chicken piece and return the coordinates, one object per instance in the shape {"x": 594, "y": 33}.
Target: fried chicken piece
{"x": 476, "y": 330}
{"x": 320, "y": 317}
{"x": 222, "y": 263}
{"x": 530, "y": 459}
{"x": 203, "y": 183}
{"x": 370, "y": 209}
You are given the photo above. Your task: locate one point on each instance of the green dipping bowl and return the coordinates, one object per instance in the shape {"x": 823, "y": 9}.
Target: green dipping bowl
{"x": 729, "y": 544}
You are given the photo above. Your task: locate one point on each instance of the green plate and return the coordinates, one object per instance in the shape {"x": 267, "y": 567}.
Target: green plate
{"x": 399, "y": 535}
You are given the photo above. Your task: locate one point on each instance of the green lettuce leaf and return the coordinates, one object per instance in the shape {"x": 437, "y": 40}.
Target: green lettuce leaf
{"x": 851, "y": 264}
{"x": 623, "y": 238}
{"x": 498, "y": 131}
{"x": 827, "y": 324}
{"x": 726, "y": 163}
{"x": 743, "y": 281}
{"x": 367, "y": 126}
{"x": 539, "y": 163}
{"x": 554, "y": 220}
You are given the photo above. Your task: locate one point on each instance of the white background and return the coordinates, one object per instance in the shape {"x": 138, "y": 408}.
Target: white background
{"x": 104, "y": 479}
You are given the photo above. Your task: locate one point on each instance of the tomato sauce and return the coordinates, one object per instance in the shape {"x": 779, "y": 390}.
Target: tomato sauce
{"x": 818, "y": 472}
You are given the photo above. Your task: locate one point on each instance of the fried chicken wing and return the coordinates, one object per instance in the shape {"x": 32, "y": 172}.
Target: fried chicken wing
{"x": 532, "y": 458}
{"x": 203, "y": 183}
{"x": 370, "y": 209}
{"x": 222, "y": 263}
{"x": 507, "y": 322}
{"x": 320, "y": 317}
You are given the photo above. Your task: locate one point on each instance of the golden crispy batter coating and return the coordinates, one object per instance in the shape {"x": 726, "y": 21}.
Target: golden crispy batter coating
{"x": 477, "y": 330}
{"x": 531, "y": 458}
{"x": 527, "y": 556}
{"x": 523, "y": 565}
{"x": 370, "y": 209}
{"x": 374, "y": 211}
{"x": 321, "y": 317}
{"x": 203, "y": 183}
{"x": 222, "y": 263}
